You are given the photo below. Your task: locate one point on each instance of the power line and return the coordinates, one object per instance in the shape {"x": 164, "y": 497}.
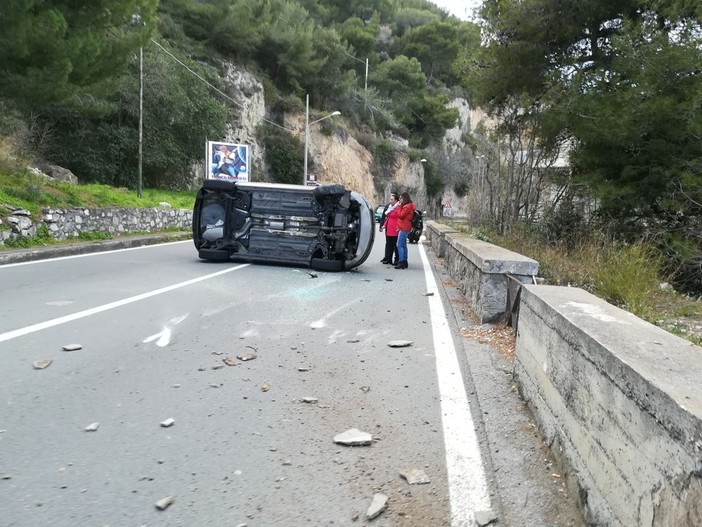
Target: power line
{"x": 213, "y": 86}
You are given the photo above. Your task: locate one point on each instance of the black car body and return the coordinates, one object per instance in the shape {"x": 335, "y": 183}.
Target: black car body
{"x": 325, "y": 227}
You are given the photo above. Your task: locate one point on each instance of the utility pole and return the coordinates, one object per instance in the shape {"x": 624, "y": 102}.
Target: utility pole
{"x": 141, "y": 116}
{"x": 365, "y": 89}
{"x": 307, "y": 135}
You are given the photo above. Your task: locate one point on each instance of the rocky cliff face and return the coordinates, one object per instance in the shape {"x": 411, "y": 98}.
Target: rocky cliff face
{"x": 247, "y": 112}
{"x": 335, "y": 158}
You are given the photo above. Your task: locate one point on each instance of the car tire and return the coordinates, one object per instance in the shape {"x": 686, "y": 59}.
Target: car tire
{"x": 219, "y": 184}
{"x": 327, "y": 265}
{"x": 216, "y": 255}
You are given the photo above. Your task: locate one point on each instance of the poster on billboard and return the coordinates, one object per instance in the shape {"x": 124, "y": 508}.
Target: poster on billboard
{"x": 228, "y": 161}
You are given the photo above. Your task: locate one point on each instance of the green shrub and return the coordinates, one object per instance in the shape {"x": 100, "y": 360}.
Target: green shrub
{"x": 41, "y": 238}
{"x": 564, "y": 224}
{"x": 432, "y": 179}
{"x": 628, "y": 276}
{"x": 94, "y": 235}
{"x": 482, "y": 233}
{"x": 284, "y": 155}
{"x": 461, "y": 188}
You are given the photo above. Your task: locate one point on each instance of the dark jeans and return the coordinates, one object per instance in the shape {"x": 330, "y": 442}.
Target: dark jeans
{"x": 391, "y": 248}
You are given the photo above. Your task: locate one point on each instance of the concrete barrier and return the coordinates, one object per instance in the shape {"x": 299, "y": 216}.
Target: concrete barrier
{"x": 620, "y": 400}
{"x": 481, "y": 270}
{"x": 435, "y": 234}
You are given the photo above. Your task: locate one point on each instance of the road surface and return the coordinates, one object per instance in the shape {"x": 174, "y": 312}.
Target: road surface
{"x": 258, "y": 368}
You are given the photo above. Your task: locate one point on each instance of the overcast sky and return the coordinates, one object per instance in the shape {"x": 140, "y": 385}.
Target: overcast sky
{"x": 463, "y": 9}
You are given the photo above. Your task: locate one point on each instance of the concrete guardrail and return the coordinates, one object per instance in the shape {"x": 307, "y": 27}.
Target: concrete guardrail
{"x": 481, "y": 269}
{"x": 618, "y": 400}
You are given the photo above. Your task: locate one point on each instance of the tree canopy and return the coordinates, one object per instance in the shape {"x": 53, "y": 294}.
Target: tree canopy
{"x": 51, "y": 51}
{"x": 621, "y": 81}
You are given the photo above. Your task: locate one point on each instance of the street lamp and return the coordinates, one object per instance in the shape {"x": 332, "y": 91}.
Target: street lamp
{"x": 136, "y": 20}
{"x": 307, "y": 131}
{"x": 141, "y": 116}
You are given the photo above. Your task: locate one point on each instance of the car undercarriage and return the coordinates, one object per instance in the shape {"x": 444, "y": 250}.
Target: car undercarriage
{"x": 326, "y": 227}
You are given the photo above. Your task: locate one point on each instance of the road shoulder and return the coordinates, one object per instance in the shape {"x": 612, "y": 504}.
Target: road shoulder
{"x": 11, "y": 256}
{"x": 525, "y": 481}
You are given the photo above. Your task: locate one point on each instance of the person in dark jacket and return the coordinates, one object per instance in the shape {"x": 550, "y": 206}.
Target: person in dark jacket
{"x": 404, "y": 227}
{"x": 388, "y": 223}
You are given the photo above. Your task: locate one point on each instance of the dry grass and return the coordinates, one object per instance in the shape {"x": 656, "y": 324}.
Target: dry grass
{"x": 627, "y": 276}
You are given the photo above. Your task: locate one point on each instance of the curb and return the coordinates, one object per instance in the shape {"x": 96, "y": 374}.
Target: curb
{"x": 58, "y": 251}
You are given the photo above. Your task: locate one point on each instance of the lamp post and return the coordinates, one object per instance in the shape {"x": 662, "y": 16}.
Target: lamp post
{"x": 141, "y": 116}
{"x": 137, "y": 21}
{"x": 307, "y": 131}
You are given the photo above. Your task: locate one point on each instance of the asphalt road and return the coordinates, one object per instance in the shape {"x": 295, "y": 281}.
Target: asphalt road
{"x": 157, "y": 327}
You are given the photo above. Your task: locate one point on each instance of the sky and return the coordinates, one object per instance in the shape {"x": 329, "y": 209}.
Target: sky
{"x": 462, "y": 9}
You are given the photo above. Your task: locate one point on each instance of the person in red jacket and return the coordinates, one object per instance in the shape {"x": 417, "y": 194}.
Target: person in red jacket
{"x": 389, "y": 224}
{"x": 404, "y": 227}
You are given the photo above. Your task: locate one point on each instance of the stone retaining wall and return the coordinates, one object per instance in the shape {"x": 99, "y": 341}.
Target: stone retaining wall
{"x": 69, "y": 223}
{"x": 480, "y": 269}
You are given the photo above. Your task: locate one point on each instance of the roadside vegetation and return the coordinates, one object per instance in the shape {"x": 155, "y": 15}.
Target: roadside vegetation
{"x": 629, "y": 276}
{"x": 24, "y": 190}
{"x": 32, "y": 192}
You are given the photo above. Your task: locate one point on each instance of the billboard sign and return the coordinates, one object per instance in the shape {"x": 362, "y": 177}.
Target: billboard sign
{"x": 227, "y": 161}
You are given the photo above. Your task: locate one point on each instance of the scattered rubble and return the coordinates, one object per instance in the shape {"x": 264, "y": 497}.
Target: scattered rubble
{"x": 229, "y": 361}
{"x": 377, "y": 506}
{"x": 42, "y": 364}
{"x": 246, "y": 357}
{"x": 354, "y": 437}
{"x": 92, "y": 427}
{"x": 265, "y": 388}
{"x": 415, "y": 476}
{"x": 164, "y": 503}
{"x": 400, "y": 343}
{"x": 483, "y": 518}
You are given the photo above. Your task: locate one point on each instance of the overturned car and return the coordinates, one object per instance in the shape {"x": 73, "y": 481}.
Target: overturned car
{"x": 327, "y": 228}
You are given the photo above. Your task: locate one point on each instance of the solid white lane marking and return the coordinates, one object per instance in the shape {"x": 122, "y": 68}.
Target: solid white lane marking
{"x": 468, "y": 488}
{"x": 99, "y": 309}
{"x": 97, "y": 253}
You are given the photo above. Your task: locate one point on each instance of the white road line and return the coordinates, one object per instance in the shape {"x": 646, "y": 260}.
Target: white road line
{"x": 468, "y": 489}
{"x": 44, "y": 260}
{"x": 92, "y": 311}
